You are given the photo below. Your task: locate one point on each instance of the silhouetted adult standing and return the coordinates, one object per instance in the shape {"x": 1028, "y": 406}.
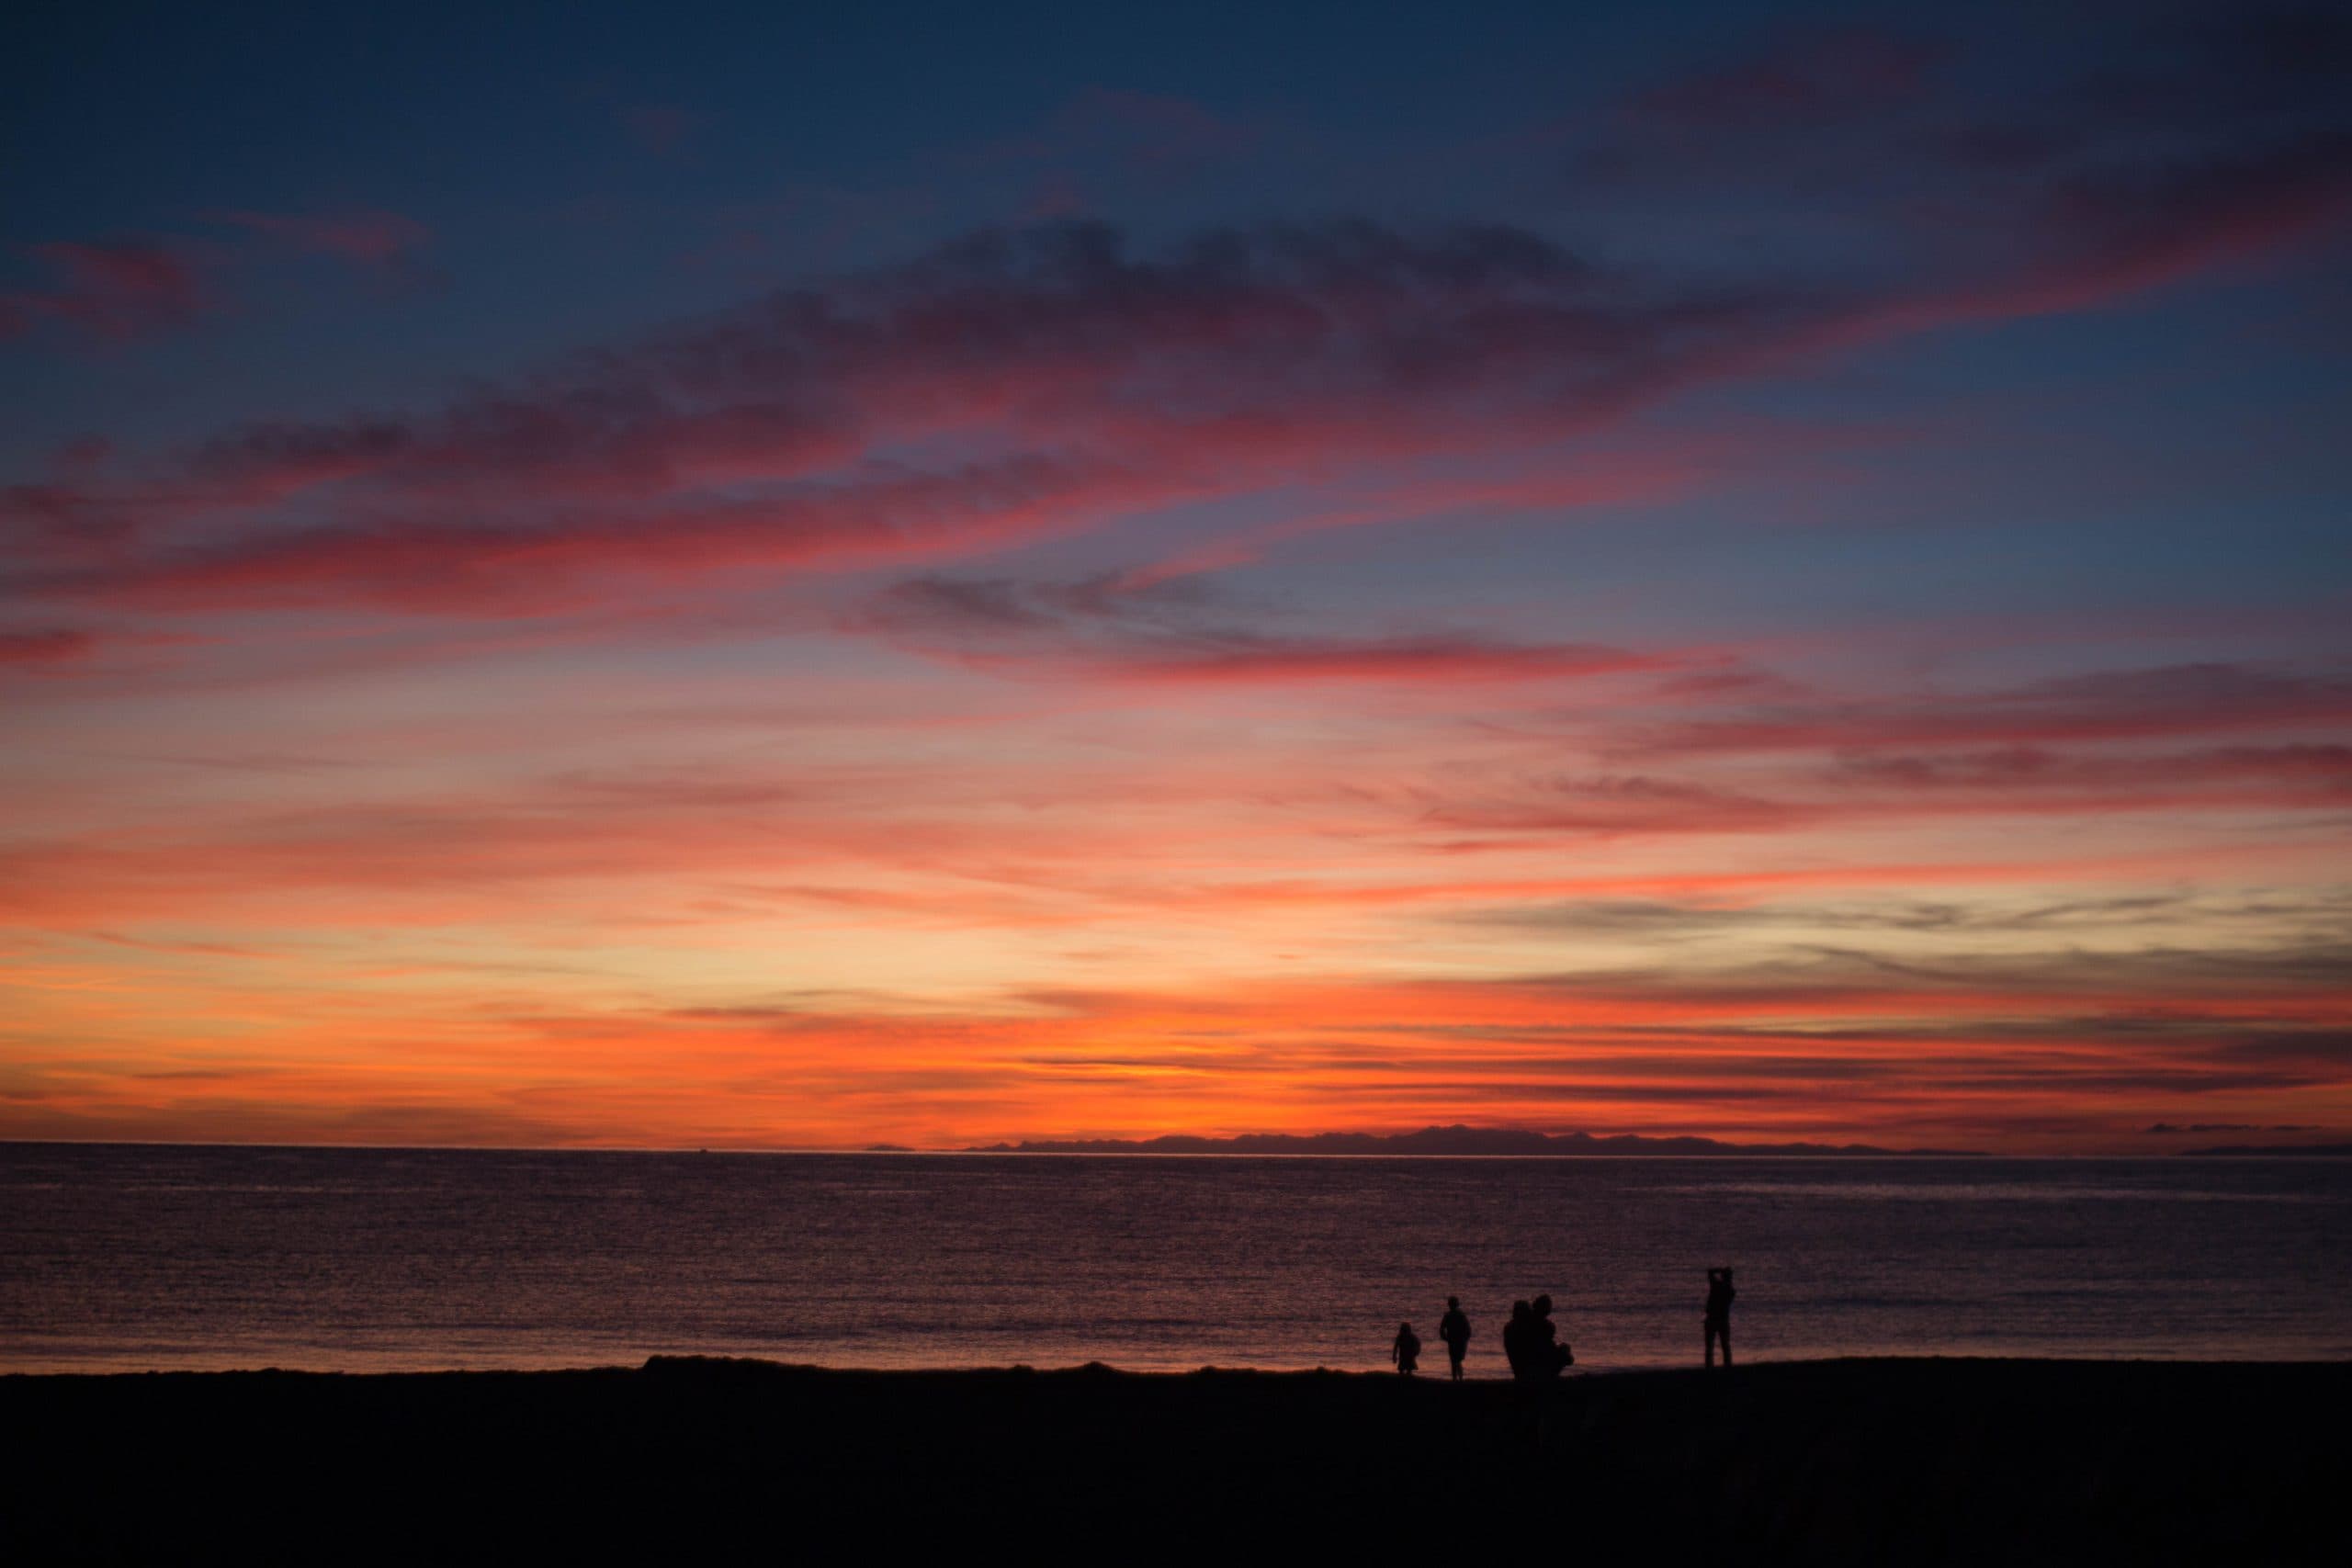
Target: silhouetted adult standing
{"x": 1406, "y": 1351}
{"x": 1718, "y": 1327}
{"x": 1546, "y": 1356}
{"x": 1454, "y": 1329}
{"x": 1516, "y": 1332}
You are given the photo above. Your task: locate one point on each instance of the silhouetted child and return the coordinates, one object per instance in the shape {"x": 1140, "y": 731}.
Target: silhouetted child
{"x": 1454, "y": 1329}
{"x": 1718, "y": 1325}
{"x": 1406, "y": 1351}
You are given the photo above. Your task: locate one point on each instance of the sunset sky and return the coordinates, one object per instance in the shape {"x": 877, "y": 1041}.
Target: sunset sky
{"x": 799, "y": 577}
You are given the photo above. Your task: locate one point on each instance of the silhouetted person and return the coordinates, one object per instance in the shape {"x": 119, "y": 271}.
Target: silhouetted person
{"x": 1719, "y": 1295}
{"x": 1547, "y": 1356}
{"x": 1406, "y": 1351}
{"x": 1454, "y": 1329}
{"x": 1515, "y": 1338}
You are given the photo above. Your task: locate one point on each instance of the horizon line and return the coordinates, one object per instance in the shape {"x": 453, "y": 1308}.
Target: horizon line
{"x": 1739, "y": 1151}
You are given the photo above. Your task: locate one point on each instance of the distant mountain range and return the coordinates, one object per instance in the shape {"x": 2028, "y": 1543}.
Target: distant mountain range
{"x": 1455, "y": 1140}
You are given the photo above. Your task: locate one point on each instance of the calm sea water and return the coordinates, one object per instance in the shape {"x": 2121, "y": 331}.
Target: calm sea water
{"x": 128, "y": 1258}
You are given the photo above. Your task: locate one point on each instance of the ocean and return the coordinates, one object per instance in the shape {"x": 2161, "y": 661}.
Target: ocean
{"x": 127, "y": 1257}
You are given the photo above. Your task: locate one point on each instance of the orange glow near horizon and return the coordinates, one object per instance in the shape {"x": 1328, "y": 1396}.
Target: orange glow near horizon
{"x": 1057, "y": 923}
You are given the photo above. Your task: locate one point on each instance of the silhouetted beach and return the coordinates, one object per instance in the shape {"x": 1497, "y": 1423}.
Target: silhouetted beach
{"x": 1929, "y": 1460}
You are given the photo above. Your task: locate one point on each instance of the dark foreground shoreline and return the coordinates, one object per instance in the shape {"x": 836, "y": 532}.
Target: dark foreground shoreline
{"x": 1834, "y": 1461}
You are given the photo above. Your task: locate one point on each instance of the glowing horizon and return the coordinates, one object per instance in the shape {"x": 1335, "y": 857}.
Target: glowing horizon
{"x": 1801, "y": 596}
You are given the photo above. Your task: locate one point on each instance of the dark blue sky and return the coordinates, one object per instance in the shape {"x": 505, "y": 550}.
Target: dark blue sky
{"x": 581, "y": 169}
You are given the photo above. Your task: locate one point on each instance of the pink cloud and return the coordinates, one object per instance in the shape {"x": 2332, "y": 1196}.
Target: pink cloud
{"x": 1226, "y": 366}
{"x": 1819, "y": 78}
{"x": 2100, "y": 240}
{"x": 115, "y": 291}
{"x": 372, "y": 239}
{"x": 40, "y": 648}
{"x": 1402, "y": 660}
{"x": 1115, "y": 630}
{"x": 2213, "y": 698}
{"x": 124, "y": 290}
{"x": 2016, "y": 771}
{"x": 525, "y": 570}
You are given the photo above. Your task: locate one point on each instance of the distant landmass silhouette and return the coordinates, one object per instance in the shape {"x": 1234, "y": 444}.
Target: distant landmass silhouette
{"x": 2315, "y": 1151}
{"x": 1455, "y": 1140}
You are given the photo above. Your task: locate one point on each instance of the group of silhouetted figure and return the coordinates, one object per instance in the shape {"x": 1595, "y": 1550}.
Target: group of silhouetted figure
{"x": 1531, "y": 1341}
